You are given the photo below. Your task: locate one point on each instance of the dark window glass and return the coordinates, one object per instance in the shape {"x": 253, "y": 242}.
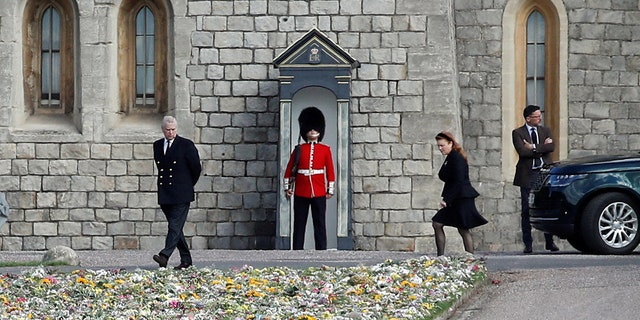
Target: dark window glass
{"x": 145, "y": 58}
{"x": 536, "y": 59}
{"x": 50, "y": 57}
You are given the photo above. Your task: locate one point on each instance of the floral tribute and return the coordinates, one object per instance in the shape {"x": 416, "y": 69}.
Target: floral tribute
{"x": 419, "y": 288}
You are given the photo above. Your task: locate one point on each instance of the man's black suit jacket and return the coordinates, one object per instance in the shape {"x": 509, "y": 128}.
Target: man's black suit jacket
{"x": 178, "y": 170}
{"x": 525, "y": 162}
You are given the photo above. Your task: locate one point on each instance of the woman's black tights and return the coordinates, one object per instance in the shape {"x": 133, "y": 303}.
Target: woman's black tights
{"x": 441, "y": 238}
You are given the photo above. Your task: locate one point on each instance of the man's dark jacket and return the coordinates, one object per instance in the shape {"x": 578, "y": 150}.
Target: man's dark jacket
{"x": 178, "y": 170}
{"x": 525, "y": 162}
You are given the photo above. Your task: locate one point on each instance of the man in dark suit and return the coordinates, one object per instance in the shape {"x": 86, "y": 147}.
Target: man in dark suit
{"x": 534, "y": 145}
{"x": 179, "y": 168}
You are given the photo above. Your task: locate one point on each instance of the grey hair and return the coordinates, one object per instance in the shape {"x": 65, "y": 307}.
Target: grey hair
{"x": 168, "y": 119}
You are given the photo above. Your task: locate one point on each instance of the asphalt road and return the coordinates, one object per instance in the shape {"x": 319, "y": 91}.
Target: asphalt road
{"x": 556, "y": 286}
{"x": 220, "y": 259}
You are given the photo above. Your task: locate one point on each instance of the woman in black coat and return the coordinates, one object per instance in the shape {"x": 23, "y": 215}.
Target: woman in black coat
{"x": 458, "y": 208}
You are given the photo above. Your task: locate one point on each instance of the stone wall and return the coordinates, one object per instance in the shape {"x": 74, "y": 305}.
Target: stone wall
{"x": 479, "y": 43}
{"x": 401, "y": 91}
{"x": 601, "y": 93}
{"x": 90, "y": 184}
{"x": 604, "y": 96}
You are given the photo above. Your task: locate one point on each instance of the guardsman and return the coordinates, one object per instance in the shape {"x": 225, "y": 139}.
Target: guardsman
{"x": 179, "y": 168}
{"x": 310, "y": 179}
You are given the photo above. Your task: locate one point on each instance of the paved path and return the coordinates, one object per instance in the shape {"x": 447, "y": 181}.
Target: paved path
{"x": 556, "y": 287}
{"x": 220, "y": 259}
{"x": 558, "y": 294}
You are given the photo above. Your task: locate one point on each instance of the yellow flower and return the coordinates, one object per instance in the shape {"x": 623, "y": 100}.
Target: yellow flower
{"x": 254, "y": 293}
{"x": 256, "y": 282}
{"x": 428, "y": 306}
{"x": 45, "y": 281}
{"x": 357, "y": 291}
{"x": 406, "y": 283}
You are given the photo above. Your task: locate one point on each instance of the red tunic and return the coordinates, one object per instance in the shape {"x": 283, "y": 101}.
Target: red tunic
{"x": 315, "y": 170}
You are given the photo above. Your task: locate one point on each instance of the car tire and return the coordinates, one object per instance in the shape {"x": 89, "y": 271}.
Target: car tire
{"x": 578, "y": 243}
{"x": 610, "y": 224}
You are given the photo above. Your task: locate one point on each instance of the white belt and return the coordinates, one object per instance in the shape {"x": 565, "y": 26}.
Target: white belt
{"x": 311, "y": 171}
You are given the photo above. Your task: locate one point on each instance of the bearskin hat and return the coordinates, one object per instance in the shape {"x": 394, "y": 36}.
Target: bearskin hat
{"x": 311, "y": 118}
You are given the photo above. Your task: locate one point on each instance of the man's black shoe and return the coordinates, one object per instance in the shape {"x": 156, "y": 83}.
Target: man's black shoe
{"x": 527, "y": 249}
{"x": 551, "y": 247}
{"x": 182, "y": 265}
{"x": 161, "y": 260}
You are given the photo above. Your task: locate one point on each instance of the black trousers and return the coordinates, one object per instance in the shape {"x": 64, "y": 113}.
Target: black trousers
{"x": 176, "y": 215}
{"x": 318, "y": 215}
{"x": 525, "y": 222}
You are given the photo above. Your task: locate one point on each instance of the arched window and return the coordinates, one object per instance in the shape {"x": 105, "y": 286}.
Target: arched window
{"x": 145, "y": 58}
{"x": 534, "y": 71}
{"x": 142, "y": 65}
{"x": 536, "y": 60}
{"x": 50, "y": 57}
{"x": 538, "y": 63}
{"x": 48, "y": 53}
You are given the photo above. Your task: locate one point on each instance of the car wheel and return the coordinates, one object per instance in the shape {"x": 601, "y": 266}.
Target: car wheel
{"x": 610, "y": 224}
{"x": 578, "y": 243}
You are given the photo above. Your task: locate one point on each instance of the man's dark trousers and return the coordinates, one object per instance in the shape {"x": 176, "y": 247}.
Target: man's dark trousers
{"x": 176, "y": 215}
{"x": 527, "y": 239}
{"x": 318, "y": 215}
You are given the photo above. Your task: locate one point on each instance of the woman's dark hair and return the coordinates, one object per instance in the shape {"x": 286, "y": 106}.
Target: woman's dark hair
{"x": 445, "y": 135}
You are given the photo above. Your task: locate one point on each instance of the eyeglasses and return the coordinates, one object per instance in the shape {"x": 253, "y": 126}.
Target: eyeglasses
{"x": 534, "y": 117}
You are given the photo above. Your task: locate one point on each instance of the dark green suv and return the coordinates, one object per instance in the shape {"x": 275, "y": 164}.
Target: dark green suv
{"x": 593, "y": 202}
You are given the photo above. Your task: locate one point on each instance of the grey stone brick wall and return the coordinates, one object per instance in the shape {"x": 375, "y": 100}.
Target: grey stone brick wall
{"x": 425, "y": 67}
{"x": 602, "y": 98}
{"x": 603, "y": 81}
{"x": 478, "y": 43}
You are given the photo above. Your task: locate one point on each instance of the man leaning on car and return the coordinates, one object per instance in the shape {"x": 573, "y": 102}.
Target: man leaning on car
{"x": 534, "y": 145}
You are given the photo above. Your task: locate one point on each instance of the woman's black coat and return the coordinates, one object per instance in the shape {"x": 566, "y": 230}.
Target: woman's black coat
{"x": 455, "y": 174}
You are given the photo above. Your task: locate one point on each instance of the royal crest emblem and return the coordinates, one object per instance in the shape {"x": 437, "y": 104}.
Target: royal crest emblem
{"x": 314, "y": 55}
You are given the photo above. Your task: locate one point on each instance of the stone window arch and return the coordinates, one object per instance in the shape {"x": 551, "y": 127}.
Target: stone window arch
{"x": 523, "y": 22}
{"x": 48, "y": 57}
{"x": 142, "y": 57}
